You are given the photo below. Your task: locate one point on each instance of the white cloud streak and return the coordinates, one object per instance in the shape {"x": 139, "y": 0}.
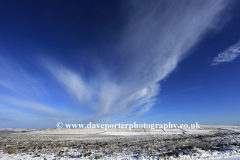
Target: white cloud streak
{"x": 228, "y": 55}
{"x": 17, "y": 79}
{"x": 4, "y": 111}
{"x": 15, "y": 118}
{"x": 156, "y": 38}
{"x": 39, "y": 108}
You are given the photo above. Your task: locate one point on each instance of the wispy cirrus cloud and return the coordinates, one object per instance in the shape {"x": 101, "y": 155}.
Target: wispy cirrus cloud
{"x": 4, "y": 111}
{"x": 101, "y": 94}
{"x": 156, "y": 37}
{"x": 16, "y": 78}
{"x": 228, "y": 55}
{"x": 16, "y": 118}
{"x": 40, "y": 108}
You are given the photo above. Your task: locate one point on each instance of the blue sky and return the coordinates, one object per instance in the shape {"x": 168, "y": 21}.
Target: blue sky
{"x": 119, "y": 61}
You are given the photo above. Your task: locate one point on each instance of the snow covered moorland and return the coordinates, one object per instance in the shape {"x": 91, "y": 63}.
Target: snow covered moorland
{"x": 217, "y": 142}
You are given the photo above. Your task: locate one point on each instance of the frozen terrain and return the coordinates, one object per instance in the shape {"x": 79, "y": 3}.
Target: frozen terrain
{"x": 208, "y": 142}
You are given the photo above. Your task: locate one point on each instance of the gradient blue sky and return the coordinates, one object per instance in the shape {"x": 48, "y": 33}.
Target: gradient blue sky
{"x": 119, "y": 61}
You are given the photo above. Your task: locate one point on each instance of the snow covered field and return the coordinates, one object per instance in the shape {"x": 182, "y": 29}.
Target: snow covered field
{"x": 209, "y": 142}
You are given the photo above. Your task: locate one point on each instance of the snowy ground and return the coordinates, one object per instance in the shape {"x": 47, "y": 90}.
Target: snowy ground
{"x": 12, "y": 130}
{"x": 209, "y": 142}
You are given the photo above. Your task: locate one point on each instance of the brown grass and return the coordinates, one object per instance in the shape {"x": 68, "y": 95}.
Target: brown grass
{"x": 149, "y": 146}
{"x": 201, "y": 145}
{"x": 88, "y": 148}
{"x": 10, "y": 150}
{"x": 112, "y": 150}
{"x": 98, "y": 147}
{"x": 60, "y": 148}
